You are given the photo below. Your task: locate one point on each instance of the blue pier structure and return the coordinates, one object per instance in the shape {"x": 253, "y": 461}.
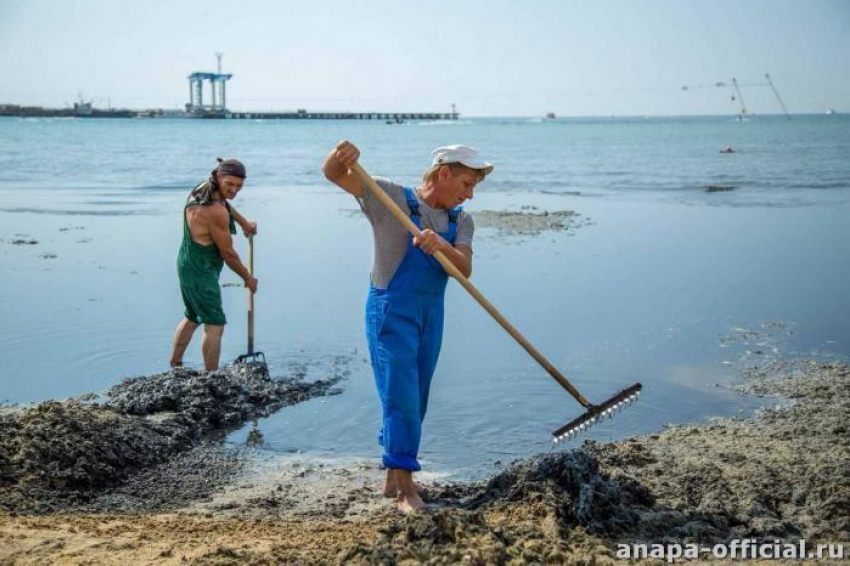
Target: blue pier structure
{"x": 218, "y": 89}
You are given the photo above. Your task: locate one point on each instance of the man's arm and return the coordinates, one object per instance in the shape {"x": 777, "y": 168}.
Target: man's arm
{"x": 337, "y": 168}
{"x": 248, "y": 228}
{"x": 460, "y": 255}
{"x": 219, "y": 225}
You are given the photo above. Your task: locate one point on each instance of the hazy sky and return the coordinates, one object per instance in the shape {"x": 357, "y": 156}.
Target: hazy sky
{"x": 491, "y": 57}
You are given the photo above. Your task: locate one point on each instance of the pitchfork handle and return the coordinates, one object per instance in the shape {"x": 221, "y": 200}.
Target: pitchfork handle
{"x": 251, "y": 296}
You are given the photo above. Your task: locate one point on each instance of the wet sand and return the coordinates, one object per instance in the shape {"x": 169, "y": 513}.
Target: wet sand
{"x": 782, "y": 474}
{"x": 528, "y": 221}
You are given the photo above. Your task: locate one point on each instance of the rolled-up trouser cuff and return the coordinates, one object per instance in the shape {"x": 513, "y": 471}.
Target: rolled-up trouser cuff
{"x": 401, "y": 462}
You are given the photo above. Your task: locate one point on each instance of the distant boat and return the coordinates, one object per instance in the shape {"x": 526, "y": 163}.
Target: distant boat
{"x": 83, "y": 108}
{"x": 830, "y": 111}
{"x": 550, "y": 116}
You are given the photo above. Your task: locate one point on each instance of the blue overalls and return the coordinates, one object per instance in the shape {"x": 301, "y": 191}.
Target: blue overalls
{"x": 404, "y": 328}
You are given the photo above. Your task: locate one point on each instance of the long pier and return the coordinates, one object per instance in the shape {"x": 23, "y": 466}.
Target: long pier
{"x": 391, "y": 116}
{"x": 86, "y": 111}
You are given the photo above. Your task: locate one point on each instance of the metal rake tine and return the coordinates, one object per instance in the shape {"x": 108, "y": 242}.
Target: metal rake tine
{"x": 596, "y": 413}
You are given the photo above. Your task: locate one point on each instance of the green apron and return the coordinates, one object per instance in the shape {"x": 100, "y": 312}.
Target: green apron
{"x": 198, "y": 268}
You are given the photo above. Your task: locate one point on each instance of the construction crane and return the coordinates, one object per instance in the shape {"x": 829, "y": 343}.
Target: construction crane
{"x": 738, "y": 96}
{"x": 743, "y": 113}
{"x": 778, "y": 98}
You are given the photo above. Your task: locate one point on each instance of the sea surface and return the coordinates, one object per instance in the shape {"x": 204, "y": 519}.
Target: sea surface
{"x": 659, "y": 280}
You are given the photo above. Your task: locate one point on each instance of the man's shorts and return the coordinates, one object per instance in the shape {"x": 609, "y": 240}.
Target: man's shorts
{"x": 202, "y": 297}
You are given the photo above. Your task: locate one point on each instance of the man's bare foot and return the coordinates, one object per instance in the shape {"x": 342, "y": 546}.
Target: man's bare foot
{"x": 410, "y": 503}
{"x": 391, "y": 486}
{"x": 390, "y": 491}
{"x": 408, "y": 499}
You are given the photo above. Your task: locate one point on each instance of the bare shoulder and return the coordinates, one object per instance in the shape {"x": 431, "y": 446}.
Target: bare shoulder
{"x": 216, "y": 213}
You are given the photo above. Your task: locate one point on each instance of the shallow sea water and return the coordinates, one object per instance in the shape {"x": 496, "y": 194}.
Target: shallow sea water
{"x": 659, "y": 282}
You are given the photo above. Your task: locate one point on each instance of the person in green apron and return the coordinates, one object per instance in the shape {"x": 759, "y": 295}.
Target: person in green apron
{"x": 208, "y": 223}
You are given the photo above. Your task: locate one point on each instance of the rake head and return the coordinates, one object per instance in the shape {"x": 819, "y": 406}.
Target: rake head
{"x": 252, "y": 358}
{"x": 596, "y": 413}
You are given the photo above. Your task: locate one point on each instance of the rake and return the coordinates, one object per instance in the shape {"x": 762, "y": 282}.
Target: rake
{"x": 593, "y": 413}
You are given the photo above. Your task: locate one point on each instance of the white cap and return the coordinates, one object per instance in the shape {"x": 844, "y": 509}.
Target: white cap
{"x": 462, "y": 154}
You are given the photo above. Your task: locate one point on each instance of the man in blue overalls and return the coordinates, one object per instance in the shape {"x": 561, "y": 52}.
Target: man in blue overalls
{"x": 404, "y": 311}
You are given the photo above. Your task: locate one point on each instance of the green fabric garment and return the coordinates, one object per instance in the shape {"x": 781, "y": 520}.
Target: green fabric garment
{"x": 198, "y": 269}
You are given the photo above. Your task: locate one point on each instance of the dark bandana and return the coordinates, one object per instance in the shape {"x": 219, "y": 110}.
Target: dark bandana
{"x": 205, "y": 192}
{"x": 231, "y": 167}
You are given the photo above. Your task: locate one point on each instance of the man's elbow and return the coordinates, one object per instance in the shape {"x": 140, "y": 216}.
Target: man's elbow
{"x": 230, "y": 257}
{"x": 329, "y": 175}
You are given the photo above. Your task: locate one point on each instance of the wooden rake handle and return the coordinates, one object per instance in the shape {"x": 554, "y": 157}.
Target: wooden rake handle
{"x": 452, "y": 270}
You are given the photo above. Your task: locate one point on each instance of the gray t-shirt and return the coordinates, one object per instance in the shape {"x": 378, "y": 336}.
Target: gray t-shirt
{"x": 391, "y": 238}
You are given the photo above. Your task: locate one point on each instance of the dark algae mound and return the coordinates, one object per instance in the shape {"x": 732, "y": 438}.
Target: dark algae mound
{"x": 59, "y": 453}
{"x": 209, "y": 401}
{"x": 77, "y": 446}
{"x": 782, "y": 475}
{"x": 570, "y": 485}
